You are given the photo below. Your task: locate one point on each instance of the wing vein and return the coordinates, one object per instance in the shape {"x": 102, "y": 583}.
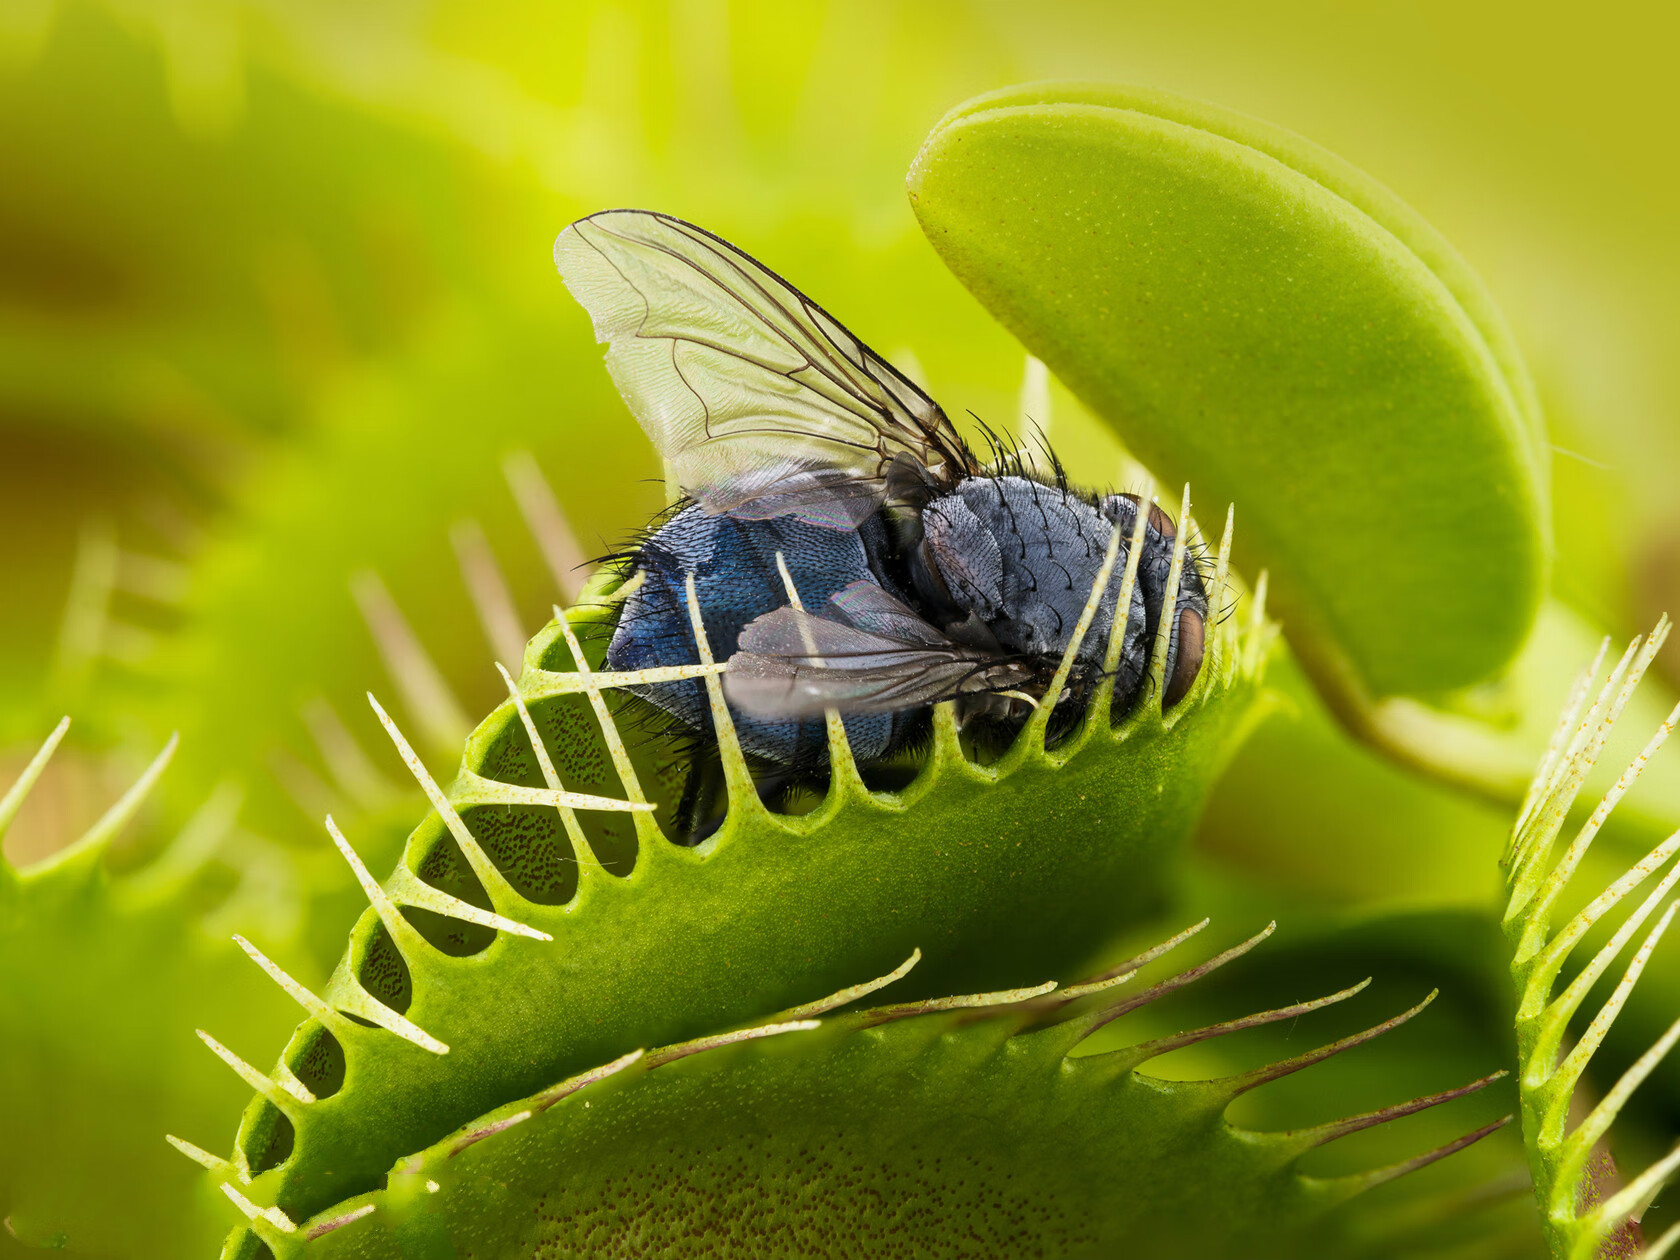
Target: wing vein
{"x": 764, "y": 403}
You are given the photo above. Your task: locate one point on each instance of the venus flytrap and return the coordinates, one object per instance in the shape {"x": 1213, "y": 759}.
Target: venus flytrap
{"x": 541, "y": 925}
{"x": 515, "y": 859}
{"x": 1586, "y": 1210}
{"x": 540, "y": 921}
{"x": 1247, "y": 309}
{"x": 104, "y": 979}
{"x": 1388, "y": 604}
{"x": 961, "y": 1126}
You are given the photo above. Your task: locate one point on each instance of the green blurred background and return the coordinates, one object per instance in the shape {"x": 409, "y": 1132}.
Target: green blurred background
{"x": 276, "y": 304}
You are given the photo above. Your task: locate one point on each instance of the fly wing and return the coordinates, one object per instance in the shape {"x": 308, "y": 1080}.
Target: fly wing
{"x": 871, "y": 654}
{"x": 763, "y": 402}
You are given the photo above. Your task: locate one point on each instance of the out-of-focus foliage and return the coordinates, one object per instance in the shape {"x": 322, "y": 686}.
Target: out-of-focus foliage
{"x": 170, "y": 301}
{"x": 275, "y": 304}
{"x": 105, "y": 981}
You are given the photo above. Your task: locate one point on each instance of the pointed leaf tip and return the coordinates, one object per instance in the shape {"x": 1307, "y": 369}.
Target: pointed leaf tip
{"x": 1378, "y": 1176}
{"x": 13, "y": 800}
{"x": 1242, "y": 1083}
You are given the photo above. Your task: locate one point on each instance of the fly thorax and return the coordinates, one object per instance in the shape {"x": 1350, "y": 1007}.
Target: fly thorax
{"x": 1008, "y": 562}
{"x": 1044, "y": 548}
{"x": 961, "y": 557}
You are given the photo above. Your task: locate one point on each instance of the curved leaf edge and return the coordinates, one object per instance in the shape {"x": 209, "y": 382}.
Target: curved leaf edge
{"x": 1338, "y": 177}
{"x": 1008, "y": 1057}
{"x": 1410, "y": 729}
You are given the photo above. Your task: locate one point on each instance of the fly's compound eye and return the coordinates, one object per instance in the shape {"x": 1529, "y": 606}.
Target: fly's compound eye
{"x": 1157, "y": 517}
{"x": 1161, "y": 521}
{"x": 1192, "y": 630}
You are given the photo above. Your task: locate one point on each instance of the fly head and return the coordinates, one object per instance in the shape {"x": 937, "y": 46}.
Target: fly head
{"x": 1009, "y": 562}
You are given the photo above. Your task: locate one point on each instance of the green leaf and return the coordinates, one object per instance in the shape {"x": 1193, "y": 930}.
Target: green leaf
{"x": 1588, "y": 1209}
{"x": 1000, "y": 874}
{"x": 1283, "y": 811}
{"x": 962, "y": 1126}
{"x": 1248, "y": 311}
{"x": 104, "y": 980}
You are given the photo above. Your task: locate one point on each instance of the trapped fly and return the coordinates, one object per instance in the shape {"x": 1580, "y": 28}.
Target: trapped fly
{"x": 924, "y": 576}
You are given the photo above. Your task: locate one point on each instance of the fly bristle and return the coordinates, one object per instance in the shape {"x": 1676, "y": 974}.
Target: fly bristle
{"x": 1007, "y": 456}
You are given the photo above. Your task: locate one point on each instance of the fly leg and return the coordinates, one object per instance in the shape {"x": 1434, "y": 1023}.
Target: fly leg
{"x": 704, "y": 801}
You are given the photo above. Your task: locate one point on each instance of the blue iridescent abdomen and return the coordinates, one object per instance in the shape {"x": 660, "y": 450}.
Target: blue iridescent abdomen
{"x": 736, "y": 580}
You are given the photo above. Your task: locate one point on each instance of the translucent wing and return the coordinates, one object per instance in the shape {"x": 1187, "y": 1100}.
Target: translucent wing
{"x": 868, "y": 654}
{"x": 764, "y": 404}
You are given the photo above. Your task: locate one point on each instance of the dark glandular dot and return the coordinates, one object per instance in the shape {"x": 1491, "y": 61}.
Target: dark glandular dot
{"x": 1191, "y": 634}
